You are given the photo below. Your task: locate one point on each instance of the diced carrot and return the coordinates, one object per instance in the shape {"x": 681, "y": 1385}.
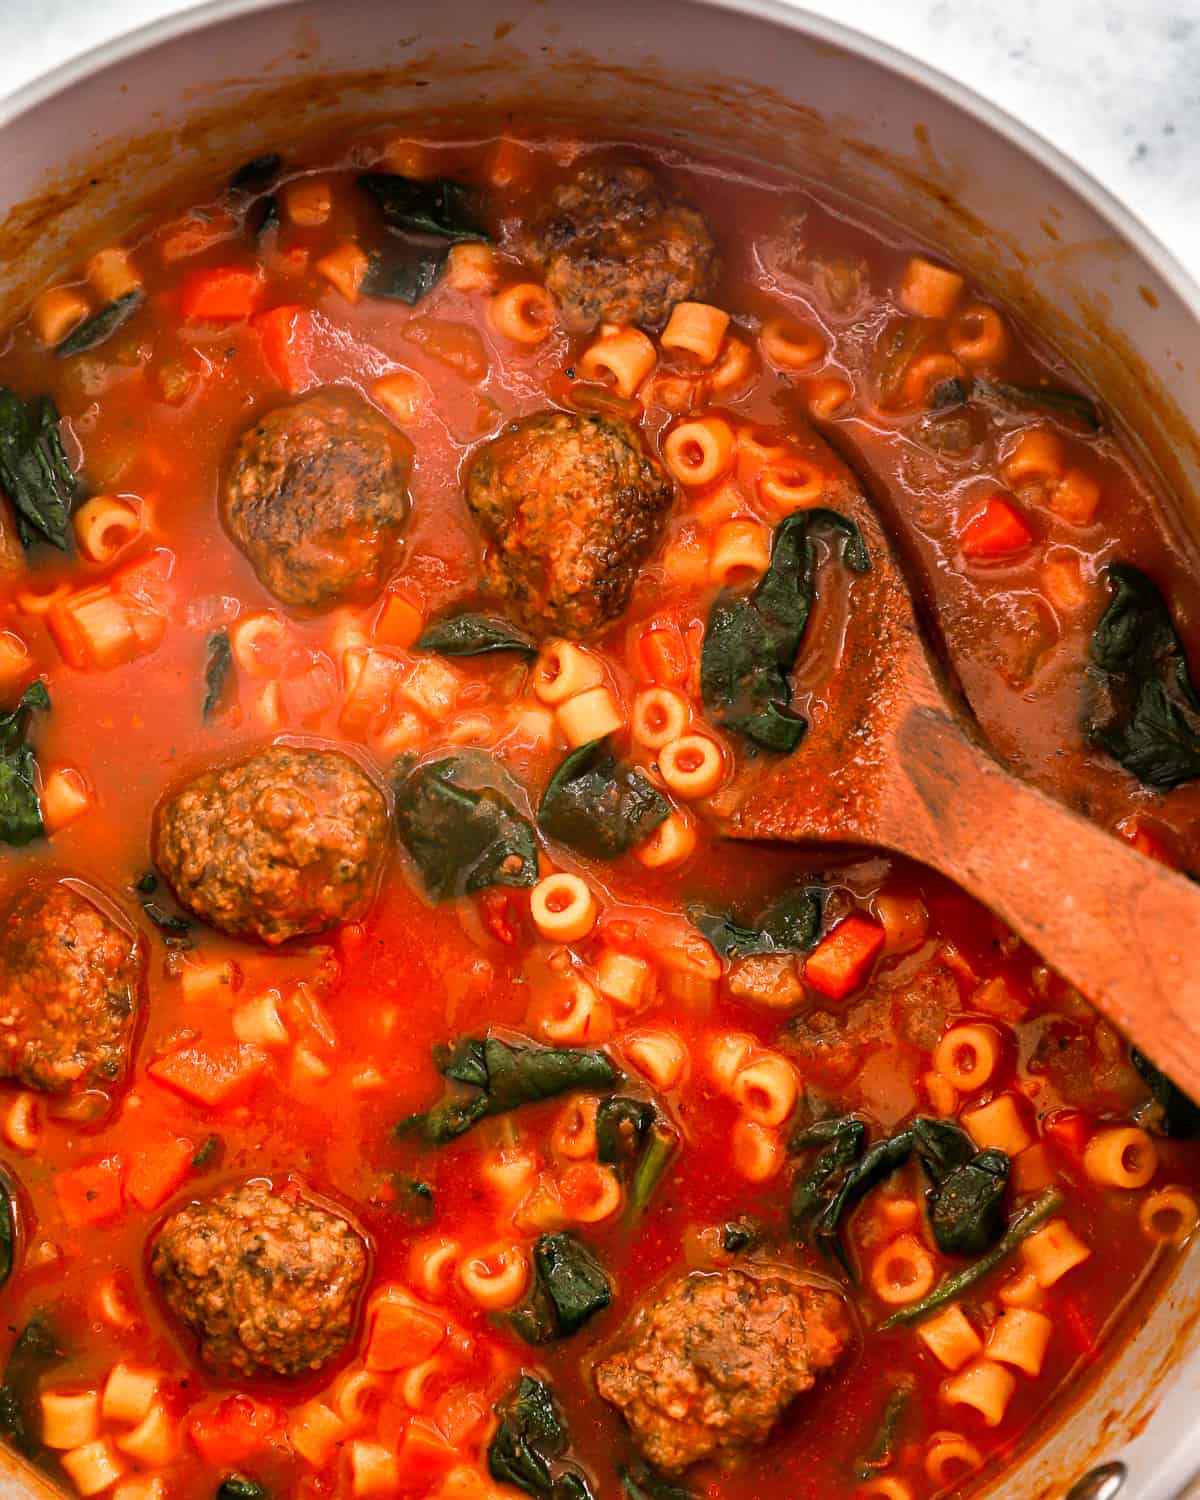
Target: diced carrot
{"x": 286, "y": 337}
{"x": 226, "y": 294}
{"x": 1067, "y": 1131}
{"x": 840, "y": 961}
{"x": 664, "y": 655}
{"x": 398, "y": 623}
{"x": 233, "y": 1430}
{"x": 459, "y": 1414}
{"x": 91, "y": 1193}
{"x": 423, "y": 1453}
{"x": 157, "y": 1169}
{"x": 211, "y": 1075}
{"x": 402, "y": 1335}
{"x": 995, "y": 531}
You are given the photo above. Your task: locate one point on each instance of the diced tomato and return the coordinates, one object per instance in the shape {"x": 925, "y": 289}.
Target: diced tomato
{"x": 460, "y": 1415}
{"x": 398, "y": 623}
{"x": 233, "y": 1430}
{"x": 286, "y": 334}
{"x": 423, "y": 1453}
{"x": 211, "y": 1075}
{"x": 226, "y": 294}
{"x": 1144, "y": 839}
{"x": 157, "y": 1169}
{"x": 664, "y": 655}
{"x": 500, "y": 914}
{"x": 92, "y": 1193}
{"x": 841, "y": 960}
{"x": 995, "y": 531}
{"x": 1068, "y": 1132}
{"x": 402, "y": 1335}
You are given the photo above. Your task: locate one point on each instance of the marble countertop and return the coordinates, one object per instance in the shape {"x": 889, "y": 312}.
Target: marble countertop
{"x": 1115, "y": 84}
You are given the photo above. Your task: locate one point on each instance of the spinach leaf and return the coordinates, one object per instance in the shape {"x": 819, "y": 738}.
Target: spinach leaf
{"x": 36, "y": 1348}
{"x": 752, "y": 640}
{"x": 882, "y": 1446}
{"x": 598, "y": 806}
{"x": 35, "y": 472}
{"x": 965, "y": 1209}
{"x": 1142, "y": 706}
{"x": 403, "y": 273}
{"x": 263, "y": 217}
{"x": 1178, "y": 1116}
{"x": 147, "y": 884}
{"x": 20, "y": 810}
{"x": 101, "y": 325}
{"x": 253, "y": 176}
{"x": 841, "y": 1140}
{"x": 643, "y": 1483}
{"x": 207, "y": 1152}
{"x": 238, "y": 1487}
{"x": 503, "y": 1077}
{"x": 660, "y": 1148}
{"x": 471, "y": 634}
{"x": 1059, "y": 402}
{"x": 569, "y": 1287}
{"x": 460, "y": 840}
{"x": 216, "y": 673}
{"x": 622, "y": 1124}
{"x": 164, "y": 920}
{"x": 8, "y": 1227}
{"x": 877, "y": 1163}
{"x": 790, "y": 925}
{"x": 530, "y": 1435}
{"x": 440, "y": 207}
{"x": 942, "y": 1147}
{"x": 738, "y": 1235}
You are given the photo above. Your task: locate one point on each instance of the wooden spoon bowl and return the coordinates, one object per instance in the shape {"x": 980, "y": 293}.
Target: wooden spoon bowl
{"x": 894, "y": 759}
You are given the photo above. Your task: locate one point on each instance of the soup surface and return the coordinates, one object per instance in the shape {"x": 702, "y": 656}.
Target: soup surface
{"x": 408, "y": 1090}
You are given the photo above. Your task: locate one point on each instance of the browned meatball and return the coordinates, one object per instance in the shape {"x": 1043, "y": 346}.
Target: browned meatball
{"x": 70, "y": 983}
{"x": 285, "y": 842}
{"x": 269, "y": 1285}
{"x": 614, "y": 247}
{"x": 316, "y": 497}
{"x": 570, "y": 506}
{"x": 713, "y": 1361}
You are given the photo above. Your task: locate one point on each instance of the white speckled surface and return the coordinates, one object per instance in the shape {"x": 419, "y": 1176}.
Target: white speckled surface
{"x": 1113, "y": 83}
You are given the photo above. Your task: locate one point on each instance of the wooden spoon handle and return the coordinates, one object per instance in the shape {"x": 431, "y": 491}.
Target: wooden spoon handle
{"x": 1122, "y": 928}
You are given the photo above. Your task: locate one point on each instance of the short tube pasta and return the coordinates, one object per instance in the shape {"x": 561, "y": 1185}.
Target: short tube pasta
{"x": 1169, "y": 1216}
{"x": 106, "y": 525}
{"x": 985, "y": 1386}
{"x": 563, "y": 908}
{"x": 574, "y": 1135}
{"x": 622, "y": 359}
{"x": 625, "y": 979}
{"x": 659, "y": 1056}
{"x": 495, "y": 1278}
{"x": 949, "y": 1458}
{"x": 700, "y": 450}
{"x": 432, "y": 1264}
{"x": 902, "y": 1272}
{"x": 671, "y": 843}
{"x": 1125, "y": 1157}
{"x": 765, "y": 1089}
{"x": 24, "y": 1122}
{"x": 967, "y": 1056}
{"x": 950, "y": 1337}
{"x": 741, "y": 552}
{"x": 695, "y": 328}
{"x": 524, "y": 313}
{"x": 1019, "y": 1337}
{"x": 789, "y": 345}
{"x": 758, "y": 1152}
{"x": 659, "y": 716}
{"x": 1036, "y": 458}
{"x": 791, "y": 483}
{"x": 883, "y": 1487}
{"x": 94, "y": 1466}
{"x": 998, "y": 1124}
{"x": 70, "y": 1418}
{"x": 928, "y": 290}
{"x": 562, "y": 670}
{"x": 692, "y": 766}
{"x": 589, "y": 1193}
{"x": 588, "y": 716}
{"x": 977, "y": 335}
{"x": 1052, "y": 1251}
{"x": 58, "y": 312}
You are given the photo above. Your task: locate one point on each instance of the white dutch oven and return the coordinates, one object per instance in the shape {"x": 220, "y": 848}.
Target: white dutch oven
{"x": 85, "y": 145}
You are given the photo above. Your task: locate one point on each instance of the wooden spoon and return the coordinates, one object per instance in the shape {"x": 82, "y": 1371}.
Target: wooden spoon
{"x": 894, "y": 759}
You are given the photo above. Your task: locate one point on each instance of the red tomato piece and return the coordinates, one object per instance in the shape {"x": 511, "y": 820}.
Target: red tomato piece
{"x": 225, "y": 294}
{"x": 157, "y": 1169}
{"x": 233, "y": 1430}
{"x": 423, "y": 1453}
{"x": 842, "y": 959}
{"x": 995, "y": 531}
{"x": 402, "y": 1335}
{"x": 92, "y": 1193}
{"x": 664, "y": 655}
{"x": 1068, "y": 1131}
{"x": 211, "y": 1075}
{"x": 286, "y": 335}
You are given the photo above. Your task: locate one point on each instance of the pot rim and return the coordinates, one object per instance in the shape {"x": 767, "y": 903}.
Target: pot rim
{"x": 782, "y": 13}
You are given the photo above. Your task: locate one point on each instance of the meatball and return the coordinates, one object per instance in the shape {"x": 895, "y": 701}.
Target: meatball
{"x": 70, "y": 983}
{"x": 713, "y": 1361}
{"x": 614, "y": 247}
{"x": 269, "y": 1285}
{"x": 570, "y": 506}
{"x": 283, "y": 843}
{"x": 316, "y": 497}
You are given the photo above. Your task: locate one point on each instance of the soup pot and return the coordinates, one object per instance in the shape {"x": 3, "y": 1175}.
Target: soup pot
{"x": 86, "y": 146}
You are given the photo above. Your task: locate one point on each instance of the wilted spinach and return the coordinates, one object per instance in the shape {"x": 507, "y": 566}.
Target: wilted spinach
{"x": 35, "y": 472}
{"x": 882, "y": 1447}
{"x": 875, "y": 1165}
{"x": 1177, "y": 1115}
{"x": 20, "y": 810}
{"x": 101, "y": 325}
{"x": 256, "y": 175}
{"x": 657, "y": 1155}
{"x": 531, "y": 1435}
{"x": 8, "y": 1227}
{"x": 238, "y": 1487}
{"x": 470, "y": 634}
{"x": 790, "y": 925}
{"x": 500, "y": 1077}
{"x": 752, "y": 640}
{"x": 35, "y": 1349}
{"x": 216, "y": 672}
{"x": 643, "y": 1483}
{"x": 438, "y": 207}
{"x": 460, "y": 840}
{"x": 207, "y": 1153}
{"x": 840, "y": 1140}
{"x": 738, "y": 1235}
{"x": 966, "y": 1193}
{"x": 569, "y": 1287}
{"x": 634, "y": 1138}
{"x": 599, "y": 806}
{"x": 1059, "y": 402}
{"x": 1142, "y": 707}
{"x": 403, "y": 273}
